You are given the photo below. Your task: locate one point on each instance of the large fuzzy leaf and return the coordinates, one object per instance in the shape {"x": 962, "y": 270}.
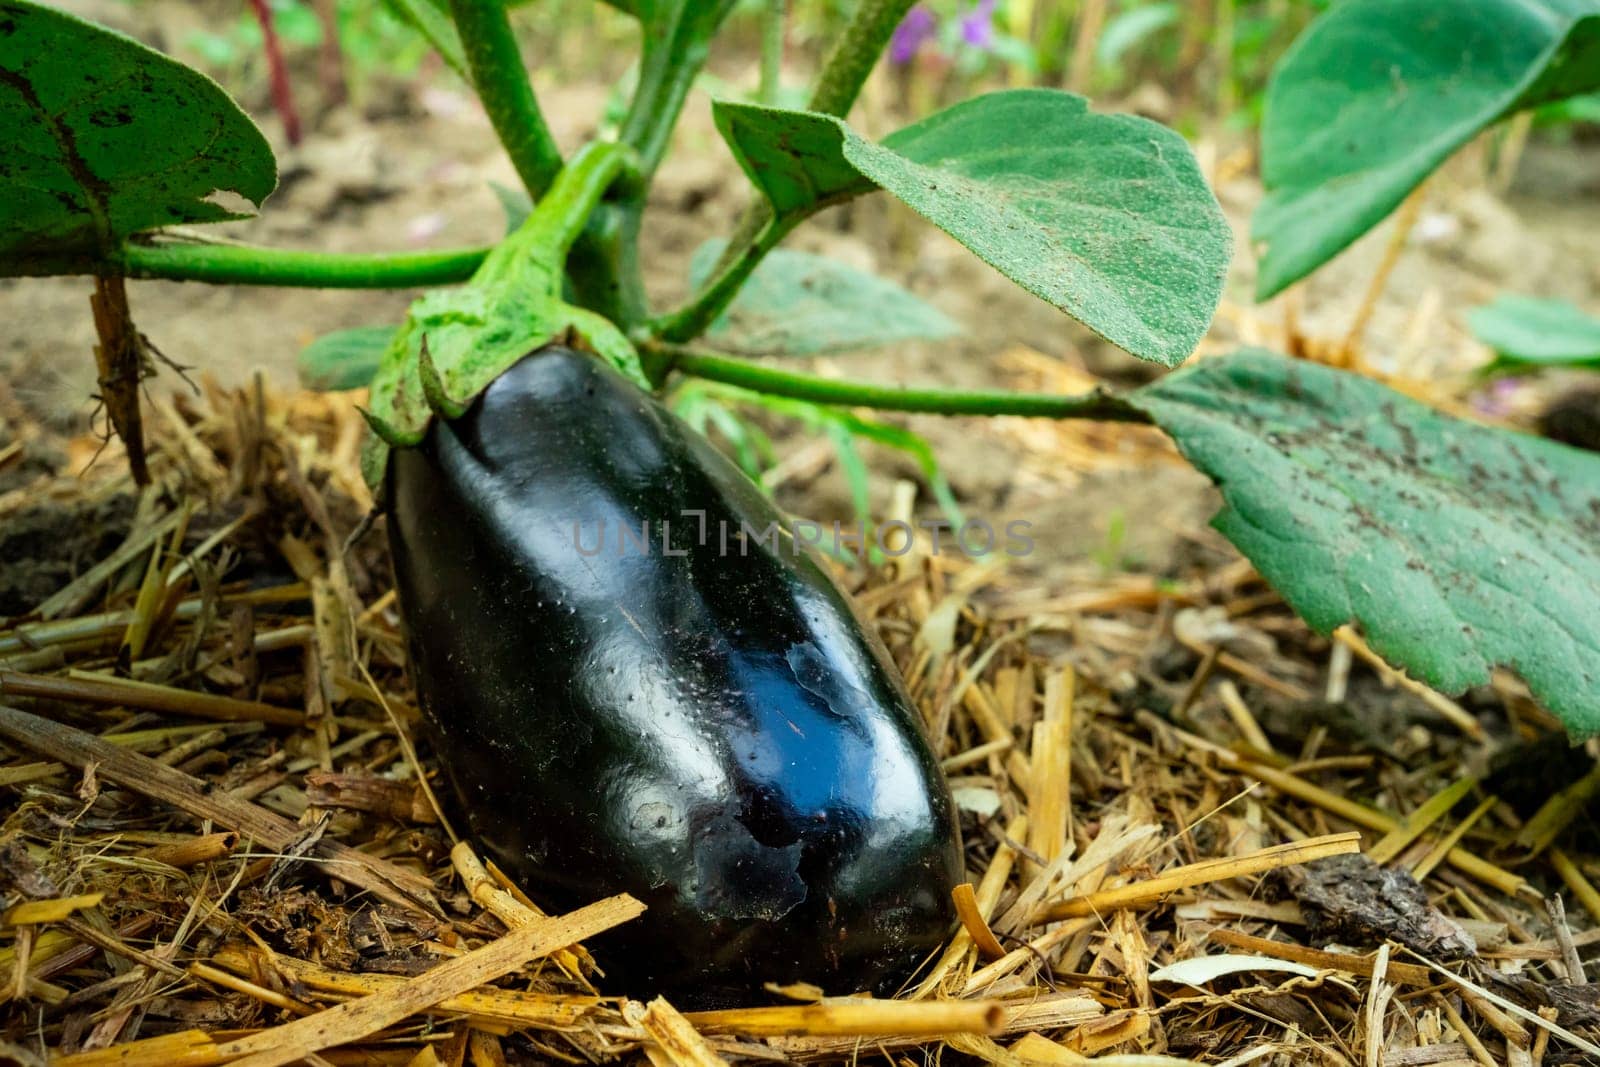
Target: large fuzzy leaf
{"x": 1377, "y": 93}
{"x": 1456, "y": 547}
{"x": 1105, "y": 216}
{"x": 104, "y": 138}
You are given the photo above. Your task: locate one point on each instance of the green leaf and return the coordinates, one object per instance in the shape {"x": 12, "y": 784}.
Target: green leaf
{"x": 104, "y": 137}
{"x": 1129, "y": 29}
{"x": 1584, "y": 108}
{"x": 343, "y": 359}
{"x": 1378, "y": 93}
{"x": 695, "y": 404}
{"x": 1456, "y": 547}
{"x": 1524, "y": 330}
{"x": 431, "y": 19}
{"x": 798, "y": 304}
{"x": 1105, "y": 216}
{"x": 796, "y": 158}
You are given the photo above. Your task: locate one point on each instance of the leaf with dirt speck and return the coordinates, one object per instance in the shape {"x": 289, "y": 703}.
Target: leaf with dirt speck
{"x": 105, "y": 137}
{"x": 1456, "y": 547}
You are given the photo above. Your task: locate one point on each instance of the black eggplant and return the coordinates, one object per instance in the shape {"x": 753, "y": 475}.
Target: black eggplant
{"x": 627, "y": 696}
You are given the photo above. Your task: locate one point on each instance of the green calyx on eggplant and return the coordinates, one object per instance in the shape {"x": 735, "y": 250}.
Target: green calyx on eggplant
{"x": 454, "y": 342}
{"x": 627, "y": 695}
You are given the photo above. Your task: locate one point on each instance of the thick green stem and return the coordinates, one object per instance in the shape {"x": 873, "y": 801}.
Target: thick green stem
{"x": 854, "y": 55}
{"x": 674, "y": 50}
{"x": 1098, "y": 405}
{"x": 843, "y": 74}
{"x": 603, "y": 268}
{"x": 502, "y": 84}
{"x": 251, "y": 265}
{"x": 562, "y": 213}
{"x": 693, "y": 319}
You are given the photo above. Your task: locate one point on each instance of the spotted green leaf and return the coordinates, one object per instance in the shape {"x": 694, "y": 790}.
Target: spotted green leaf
{"x": 104, "y": 138}
{"x": 1455, "y": 547}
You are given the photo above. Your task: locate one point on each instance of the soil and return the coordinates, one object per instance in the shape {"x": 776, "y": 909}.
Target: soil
{"x": 411, "y": 169}
{"x": 45, "y": 546}
{"x": 414, "y": 166}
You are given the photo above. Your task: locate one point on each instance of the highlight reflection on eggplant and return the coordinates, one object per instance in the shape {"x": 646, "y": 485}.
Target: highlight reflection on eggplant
{"x": 666, "y": 709}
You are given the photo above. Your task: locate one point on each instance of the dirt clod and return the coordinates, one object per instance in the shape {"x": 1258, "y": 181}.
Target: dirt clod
{"x": 1573, "y": 418}
{"x": 1353, "y": 900}
{"x": 45, "y": 546}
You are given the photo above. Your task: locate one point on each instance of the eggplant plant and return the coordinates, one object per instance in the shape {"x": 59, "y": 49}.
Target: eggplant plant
{"x": 707, "y": 725}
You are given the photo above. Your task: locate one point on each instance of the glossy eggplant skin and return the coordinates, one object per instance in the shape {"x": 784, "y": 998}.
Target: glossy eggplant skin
{"x": 711, "y": 730}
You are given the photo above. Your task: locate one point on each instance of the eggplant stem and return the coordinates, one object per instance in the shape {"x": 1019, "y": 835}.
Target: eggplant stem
{"x": 1097, "y": 404}
{"x": 547, "y": 235}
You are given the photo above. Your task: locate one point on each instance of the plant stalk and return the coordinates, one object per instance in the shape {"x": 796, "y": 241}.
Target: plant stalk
{"x": 694, "y": 318}
{"x": 502, "y": 84}
{"x": 560, "y": 216}
{"x": 277, "y": 73}
{"x": 604, "y": 268}
{"x": 604, "y": 265}
{"x": 672, "y": 56}
{"x": 254, "y": 265}
{"x": 843, "y": 74}
{"x": 1099, "y": 405}
{"x": 854, "y": 55}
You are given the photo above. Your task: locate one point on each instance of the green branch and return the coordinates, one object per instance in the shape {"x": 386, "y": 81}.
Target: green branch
{"x": 604, "y": 265}
{"x": 502, "y": 84}
{"x": 854, "y": 55}
{"x": 695, "y": 317}
{"x": 1098, "y": 404}
{"x": 838, "y": 84}
{"x": 253, "y": 265}
{"x": 562, "y": 213}
{"x": 673, "y": 51}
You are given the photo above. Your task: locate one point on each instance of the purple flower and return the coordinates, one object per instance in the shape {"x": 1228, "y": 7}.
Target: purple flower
{"x": 914, "y": 31}
{"x": 977, "y": 26}
{"x": 1499, "y": 398}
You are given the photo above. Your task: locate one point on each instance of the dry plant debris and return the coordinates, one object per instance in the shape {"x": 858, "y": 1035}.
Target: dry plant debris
{"x": 1195, "y": 830}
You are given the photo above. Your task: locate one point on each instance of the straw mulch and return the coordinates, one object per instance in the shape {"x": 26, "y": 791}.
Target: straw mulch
{"x": 219, "y": 843}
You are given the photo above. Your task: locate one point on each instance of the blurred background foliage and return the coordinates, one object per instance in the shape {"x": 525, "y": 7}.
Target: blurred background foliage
{"x": 1200, "y": 65}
